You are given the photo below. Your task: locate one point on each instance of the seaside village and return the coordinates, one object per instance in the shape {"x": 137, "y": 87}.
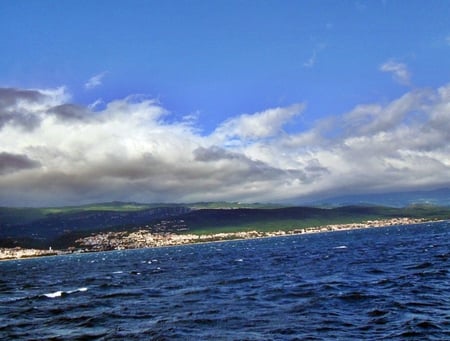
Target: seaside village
{"x": 155, "y": 236}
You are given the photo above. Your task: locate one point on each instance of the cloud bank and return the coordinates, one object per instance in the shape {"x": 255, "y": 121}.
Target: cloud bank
{"x": 54, "y": 152}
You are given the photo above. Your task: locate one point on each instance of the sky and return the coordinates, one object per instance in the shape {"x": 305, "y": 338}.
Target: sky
{"x": 250, "y": 101}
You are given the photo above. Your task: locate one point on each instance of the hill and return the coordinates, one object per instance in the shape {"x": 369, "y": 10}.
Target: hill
{"x": 60, "y": 227}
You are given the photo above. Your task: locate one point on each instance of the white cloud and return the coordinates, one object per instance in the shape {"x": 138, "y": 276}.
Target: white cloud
{"x": 95, "y": 81}
{"x": 399, "y": 71}
{"x": 259, "y": 125}
{"x": 54, "y": 152}
{"x": 372, "y": 119}
{"x": 96, "y": 104}
{"x": 313, "y": 59}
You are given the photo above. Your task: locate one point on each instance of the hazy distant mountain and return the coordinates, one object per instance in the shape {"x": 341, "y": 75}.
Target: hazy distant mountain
{"x": 439, "y": 197}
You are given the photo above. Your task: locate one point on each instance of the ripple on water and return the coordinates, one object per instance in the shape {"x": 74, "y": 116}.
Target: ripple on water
{"x": 381, "y": 286}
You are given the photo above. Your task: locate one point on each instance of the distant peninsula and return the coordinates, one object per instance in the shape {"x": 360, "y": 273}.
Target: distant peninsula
{"x": 145, "y": 239}
{"x": 32, "y": 232}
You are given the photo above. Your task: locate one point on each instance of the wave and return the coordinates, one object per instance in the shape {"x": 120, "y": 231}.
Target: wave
{"x": 61, "y": 293}
{"x": 55, "y": 294}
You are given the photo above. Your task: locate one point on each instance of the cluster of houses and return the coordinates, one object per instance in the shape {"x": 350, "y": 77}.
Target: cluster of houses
{"x": 151, "y": 237}
{"x": 174, "y": 232}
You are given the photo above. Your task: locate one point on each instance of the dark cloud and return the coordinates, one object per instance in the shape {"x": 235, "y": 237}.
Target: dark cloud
{"x": 314, "y": 170}
{"x": 252, "y": 167}
{"x": 242, "y": 168}
{"x": 214, "y": 154}
{"x": 129, "y": 170}
{"x": 10, "y": 163}
{"x": 11, "y": 101}
{"x": 69, "y": 112}
{"x": 131, "y": 154}
{"x": 11, "y": 96}
{"x": 24, "y": 121}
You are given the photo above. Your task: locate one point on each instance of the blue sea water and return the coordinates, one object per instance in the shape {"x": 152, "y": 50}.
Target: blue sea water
{"x": 385, "y": 283}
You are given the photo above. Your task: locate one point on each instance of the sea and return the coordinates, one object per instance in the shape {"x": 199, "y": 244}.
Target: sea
{"x": 390, "y": 283}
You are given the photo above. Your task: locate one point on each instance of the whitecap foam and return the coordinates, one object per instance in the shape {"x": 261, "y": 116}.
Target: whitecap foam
{"x": 54, "y": 294}
{"x": 340, "y": 247}
{"x": 60, "y": 293}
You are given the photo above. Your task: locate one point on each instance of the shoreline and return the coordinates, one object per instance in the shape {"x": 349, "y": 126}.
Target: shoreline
{"x": 21, "y": 253}
{"x": 144, "y": 239}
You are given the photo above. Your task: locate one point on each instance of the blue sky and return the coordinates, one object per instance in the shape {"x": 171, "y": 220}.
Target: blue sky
{"x": 211, "y": 65}
{"x": 224, "y": 58}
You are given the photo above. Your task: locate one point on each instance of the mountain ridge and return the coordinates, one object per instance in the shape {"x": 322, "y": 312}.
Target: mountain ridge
{"x": 437, "y": 197}
{"x": 60, "y": 227}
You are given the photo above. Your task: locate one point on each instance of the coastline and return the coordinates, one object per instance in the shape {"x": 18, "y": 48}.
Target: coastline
{"x": 20, "y": 253}
{"x": 145, "y": 239}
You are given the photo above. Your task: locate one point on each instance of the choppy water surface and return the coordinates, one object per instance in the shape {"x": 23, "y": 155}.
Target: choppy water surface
{"x": 388, "y": 283}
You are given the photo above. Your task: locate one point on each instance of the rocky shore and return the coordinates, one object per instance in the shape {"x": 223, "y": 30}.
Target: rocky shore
{"x": 145, "y": 238}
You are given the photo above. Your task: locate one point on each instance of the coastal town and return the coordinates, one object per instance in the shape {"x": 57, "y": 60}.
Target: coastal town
{"x": 147, "y": 238}
{"x": 19, "y": 253}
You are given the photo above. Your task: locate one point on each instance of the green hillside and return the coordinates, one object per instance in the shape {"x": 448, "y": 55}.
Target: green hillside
{"x": 61, "y": 226}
